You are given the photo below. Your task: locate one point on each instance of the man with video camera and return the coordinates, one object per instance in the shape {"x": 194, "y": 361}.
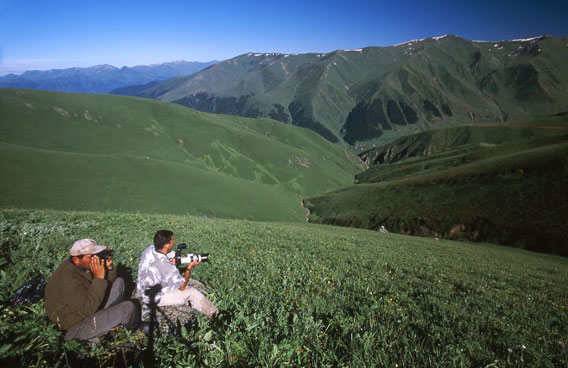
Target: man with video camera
{"x": 160, "y": 280}
{"x": 84, "y": 295}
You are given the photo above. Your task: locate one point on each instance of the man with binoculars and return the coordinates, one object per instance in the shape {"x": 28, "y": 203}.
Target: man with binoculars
{"x": 159, "y": 278}
{"x": 84, "y": 296}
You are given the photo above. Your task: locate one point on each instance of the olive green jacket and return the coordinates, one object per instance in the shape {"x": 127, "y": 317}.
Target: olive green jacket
{"x": 72, "y": 294}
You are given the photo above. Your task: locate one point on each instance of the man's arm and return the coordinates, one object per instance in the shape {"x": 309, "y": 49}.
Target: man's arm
{"x": 187, "y": 273}
{"x": 92, "y": 298}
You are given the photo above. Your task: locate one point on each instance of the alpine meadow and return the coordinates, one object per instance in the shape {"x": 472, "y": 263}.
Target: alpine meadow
{"x": 401, "y": 206}
{"x": 292, "y": 294}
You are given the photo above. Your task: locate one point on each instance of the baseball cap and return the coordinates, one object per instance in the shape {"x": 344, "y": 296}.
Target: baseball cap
{"x": 85, "y": 246}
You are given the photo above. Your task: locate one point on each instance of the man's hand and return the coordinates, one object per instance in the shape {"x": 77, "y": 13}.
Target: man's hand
{"x": 97, "y": 267}
{"x": 194, "y": 263}
{"x": 109, "y": 263}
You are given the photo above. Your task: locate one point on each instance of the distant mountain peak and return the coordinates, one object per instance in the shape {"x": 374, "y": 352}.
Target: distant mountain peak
{"x": 102, "y": 78}
{"x": 265, "y": 54}
{"x": 101, "y": 67}
{"x": 177, "y": 62}
{"x": 436, "y": 38}
{"x": 531, "y": 39}
{"x": 181, "y": 62}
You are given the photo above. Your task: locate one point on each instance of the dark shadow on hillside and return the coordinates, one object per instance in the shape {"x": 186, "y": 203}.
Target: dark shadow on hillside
{"x": 159, "y": 317}
{"x": 147, "y": 357}
{"x": 126, "y": 274}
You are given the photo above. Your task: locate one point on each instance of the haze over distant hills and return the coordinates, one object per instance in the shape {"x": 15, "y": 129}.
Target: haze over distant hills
{"x": 100, "y": 78}
{"x": 377, "y": 94}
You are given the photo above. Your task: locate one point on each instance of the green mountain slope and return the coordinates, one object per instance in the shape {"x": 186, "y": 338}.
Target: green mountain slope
{"x": 441, "y": 140}
{"x": 72, "y": 151}
{"x": 512, "y": 193}
{"x": 377, "y": 94}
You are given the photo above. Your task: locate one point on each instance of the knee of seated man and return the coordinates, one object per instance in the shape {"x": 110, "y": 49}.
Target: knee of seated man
{"x": 130, "y": 313}
{"x": 119, "y": 285}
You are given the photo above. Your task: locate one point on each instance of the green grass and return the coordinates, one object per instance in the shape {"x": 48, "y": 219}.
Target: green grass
{"x": 59, "y": 180}
{"x": 84, "y": 152}
{"x": 306, "y": 295}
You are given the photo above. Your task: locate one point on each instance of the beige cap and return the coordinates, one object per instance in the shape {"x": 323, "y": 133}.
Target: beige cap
{"x": 85, "y": 246}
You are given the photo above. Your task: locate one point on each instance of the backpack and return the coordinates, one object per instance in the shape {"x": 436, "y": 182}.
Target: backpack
{"x": 30, "y": 292}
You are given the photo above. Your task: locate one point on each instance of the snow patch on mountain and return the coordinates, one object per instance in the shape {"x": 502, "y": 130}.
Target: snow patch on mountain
{"x": 532, "y": 39}
{"x": 526, "y": 39}
{"x": 437, "y": 38}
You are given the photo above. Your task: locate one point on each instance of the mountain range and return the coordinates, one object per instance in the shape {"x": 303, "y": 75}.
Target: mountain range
{"x": 100, "y": 78}
{"x": 376, "y": 94}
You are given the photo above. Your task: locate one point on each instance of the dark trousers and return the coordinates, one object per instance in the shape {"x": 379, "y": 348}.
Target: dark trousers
{"x": 113, "y": 314}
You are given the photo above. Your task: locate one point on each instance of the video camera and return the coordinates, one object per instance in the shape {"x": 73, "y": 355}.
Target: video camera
{"x": 190, "y": 257}
{"x": 104, "y": 254}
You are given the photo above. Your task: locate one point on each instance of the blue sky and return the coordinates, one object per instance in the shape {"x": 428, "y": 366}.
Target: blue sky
{"x": 51, "y": 34}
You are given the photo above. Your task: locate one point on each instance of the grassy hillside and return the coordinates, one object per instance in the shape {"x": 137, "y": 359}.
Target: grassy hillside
{"x": 84, "y": 152}
{"x": 441, "y": 140}
{"x": 514, "y": 193}
{"x": 304, "y": 295}
{"x": 377, "y": 94}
